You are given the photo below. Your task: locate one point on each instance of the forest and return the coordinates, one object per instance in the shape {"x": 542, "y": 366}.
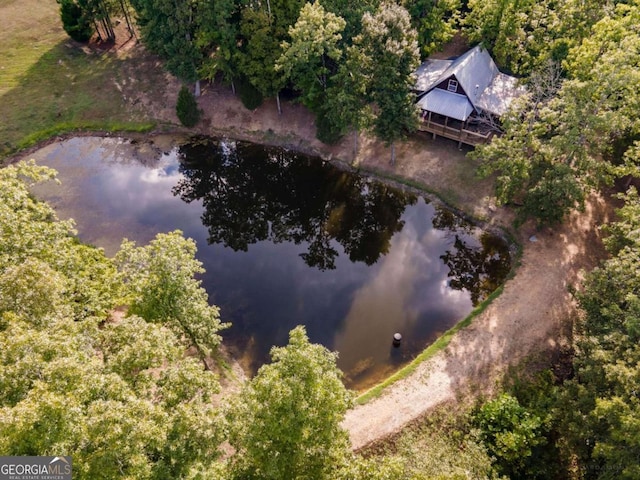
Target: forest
{"x": 352, "y": 65}
{"x": 116, "y": 361}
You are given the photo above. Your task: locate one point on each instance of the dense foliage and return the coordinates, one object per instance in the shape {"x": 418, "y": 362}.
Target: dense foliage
{"x": 604, "y": 396}
{"x": 571, "y": 132}
{"x": 308, "y": 48}
{"x": 287, "y": 421}
{"x": 115, "y": 392}
{"x": 584, "y": 425}
{"x": 75, "y": 21}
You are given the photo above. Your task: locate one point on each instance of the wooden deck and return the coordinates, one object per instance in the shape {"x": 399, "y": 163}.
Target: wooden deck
{"x": 455, "y": 130}
{"x": 462, "y": 135}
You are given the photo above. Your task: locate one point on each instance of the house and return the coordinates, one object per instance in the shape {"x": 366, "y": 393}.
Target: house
{"x": 461, "y": 98}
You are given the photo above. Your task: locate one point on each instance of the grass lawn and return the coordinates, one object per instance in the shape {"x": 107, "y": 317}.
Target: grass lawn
{"x": 50, "y": 84}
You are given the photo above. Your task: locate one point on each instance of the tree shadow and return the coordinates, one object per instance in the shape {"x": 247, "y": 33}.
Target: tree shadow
{"x": 69, "y": 84}
{"x": 533, "y": 317}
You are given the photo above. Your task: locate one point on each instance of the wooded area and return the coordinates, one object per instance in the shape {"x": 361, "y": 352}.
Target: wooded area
{"x": 352, "y": 64}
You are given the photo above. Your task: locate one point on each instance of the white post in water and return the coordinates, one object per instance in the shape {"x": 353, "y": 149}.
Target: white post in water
{"x": 397, "y": 339}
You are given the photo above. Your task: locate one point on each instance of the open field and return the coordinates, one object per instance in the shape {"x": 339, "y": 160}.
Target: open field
{"x": 50, "y": 84}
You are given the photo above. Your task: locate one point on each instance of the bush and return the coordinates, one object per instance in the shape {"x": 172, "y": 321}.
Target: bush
{"x": 326, "y": 131}
{"x": 249, "y": 95}
{"x": 77, "y": 25}
{"x": 512, "y": 434}
{"x": 187, "y": 108}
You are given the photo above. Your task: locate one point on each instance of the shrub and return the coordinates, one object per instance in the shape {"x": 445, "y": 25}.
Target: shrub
{"x": 187, "y": 108}
{"x": 326, "y": 131}
{"x": 249, "y": 95}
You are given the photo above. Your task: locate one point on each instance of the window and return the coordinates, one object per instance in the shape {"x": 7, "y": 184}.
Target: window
{"x": 453, "y": 86}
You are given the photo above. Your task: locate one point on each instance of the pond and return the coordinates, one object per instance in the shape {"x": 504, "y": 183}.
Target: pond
{"x": 286, "y": 239}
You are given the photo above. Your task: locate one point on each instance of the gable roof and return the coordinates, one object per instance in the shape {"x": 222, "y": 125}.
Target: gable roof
{"x": 428, "y": 72}
{"x": 484, "y": 85}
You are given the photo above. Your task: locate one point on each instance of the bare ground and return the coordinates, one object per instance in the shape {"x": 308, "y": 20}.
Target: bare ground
{"x": 532, "y": 316}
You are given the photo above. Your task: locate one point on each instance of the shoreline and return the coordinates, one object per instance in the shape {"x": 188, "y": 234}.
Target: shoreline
{"x": 160, "y": 141}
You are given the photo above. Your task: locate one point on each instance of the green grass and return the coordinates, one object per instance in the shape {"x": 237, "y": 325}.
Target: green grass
{"x": 50, "y": 84}
{"x": 70, "y": 127}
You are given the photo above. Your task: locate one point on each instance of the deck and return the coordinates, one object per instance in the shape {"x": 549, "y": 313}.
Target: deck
{"x": 455, "y": 130}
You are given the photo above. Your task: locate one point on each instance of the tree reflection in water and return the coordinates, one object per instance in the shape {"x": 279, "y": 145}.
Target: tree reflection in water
{"x": 477, "y": 268}
{"x": 253, "y": 193}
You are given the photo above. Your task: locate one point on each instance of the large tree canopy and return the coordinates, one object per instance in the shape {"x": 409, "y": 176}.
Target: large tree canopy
{"x": 117, "y": 394}
{"x": 312, "y": 52}
{"x": 286, "y": 423}
{"x": 390, "y": 43}
{"x": 169, "y": 28}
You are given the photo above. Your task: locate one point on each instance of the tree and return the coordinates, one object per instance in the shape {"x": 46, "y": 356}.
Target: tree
{"x": 346, "y": 106}
{"x": 314, "y": 46}
{"x": 160, "y": 279}
{"x": 390, "y": 42}
{"x": 556, "y": 149}
{"x": 524, "y": 34}
{"x": 510, "y": 433}
{"x": 32, "y": 236}
{"x": 601, "y": 402}
{"x": 100, "y": 12}
{"x": 169, "y": 28}
{"x": 352, "y": 13}
{"x": 217, "y": 37}
{"x": 187, "y": 108}
{"x": 286, "y": 423}
{"x": 75, "y": 20}
{"x": 117, "y": 394}
{"x": 435, "y": 22}
{"x": 259, "y": 52}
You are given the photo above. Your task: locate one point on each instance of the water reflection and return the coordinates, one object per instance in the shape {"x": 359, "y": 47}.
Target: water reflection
{"x": 381, "y": 260}
{"x": 252, "y": 193}
{"x": 477, "y": 261}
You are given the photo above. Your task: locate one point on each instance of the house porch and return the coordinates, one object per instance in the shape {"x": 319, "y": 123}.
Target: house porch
{"x": 463, "y": 132}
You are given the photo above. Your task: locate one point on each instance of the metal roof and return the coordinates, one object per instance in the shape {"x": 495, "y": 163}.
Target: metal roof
{"x": 428, "y": 72}
{"x": 499, "y": 94}
{"x": 474, "y": 70}
{"x": 452, "y": 105}
{"x": 484, "y": 85}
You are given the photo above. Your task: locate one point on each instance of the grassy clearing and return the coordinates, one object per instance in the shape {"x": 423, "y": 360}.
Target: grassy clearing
{"x": 50, "y": 84}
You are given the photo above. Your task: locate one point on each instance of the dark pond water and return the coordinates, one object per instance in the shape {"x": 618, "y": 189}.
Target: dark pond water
{"x": 286, "y": 240}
